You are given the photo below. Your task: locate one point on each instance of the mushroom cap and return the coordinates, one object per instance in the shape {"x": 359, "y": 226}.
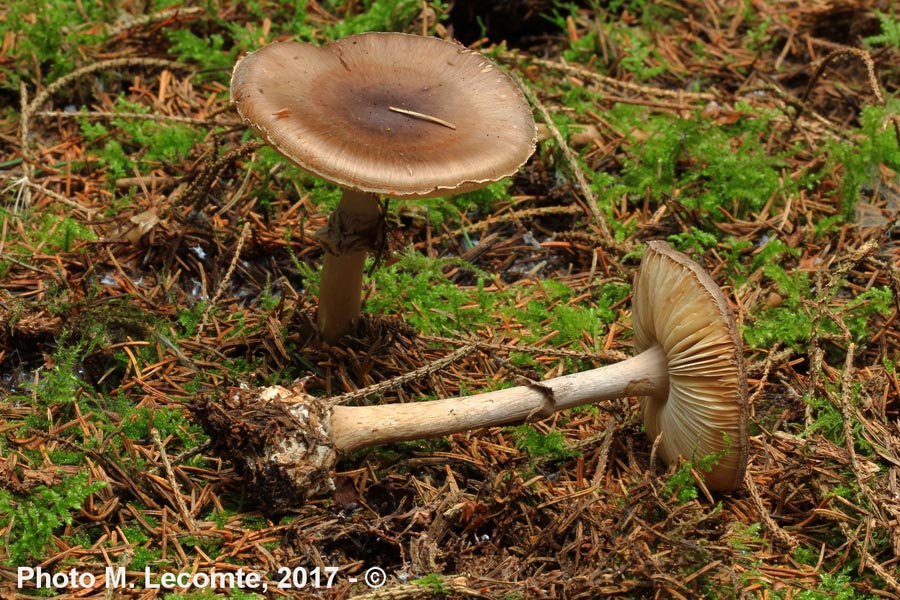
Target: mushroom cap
{"x": 337, "y": 111}
{"x": 679, "y": 307}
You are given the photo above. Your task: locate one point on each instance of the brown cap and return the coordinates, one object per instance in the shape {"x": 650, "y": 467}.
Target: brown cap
{"x": 387, "y": 113}
{"x": 679, "y": 307}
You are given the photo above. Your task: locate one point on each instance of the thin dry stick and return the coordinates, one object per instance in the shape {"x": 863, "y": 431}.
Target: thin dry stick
{"x": 869, "y": 560}
{"x": 872, "y": 80}
{"x": 102, "y": 114}
{"x": 24, "y": 265}
{"x": 608, "y": 355}
{"x": 452, "y": 585}
{"x": 654, "y": 449}
{"x": 770, "y": 360}
{"x": 114, "y": 63}
{"x": 852, "y": 536}
{"x": 142, "y": 20}
{"x": 826, "y": 290}
{"x": 574, "y": 164}
{"x": 89, "y": 212}
{"x": 847, "y": 412}
{"x": 170, "y": 475}
{"x": 493, "y": 220}
{"x": 848, "y": 51}
{"x": 220, "y": 290}
{"x": 525, "y": 213}
{"x": 29, "y": 109}
{"x": 785, "y": 100}
{"x": 644, "y": 90}
{"x": 405, "y": 378}
{"x": 603, "y": 458}
{"x": 193, "y": 192}
{"x": 187, "y": 454}
{"x": 844, "y": 402}
{"x": 124, "y": 560}
{"x": 878, "y": 505}
{"x": 845, "y": 406}
{"x": 27, "y": 168}
{"x": 422, "y": 116}
{"x": 785, "y": 538}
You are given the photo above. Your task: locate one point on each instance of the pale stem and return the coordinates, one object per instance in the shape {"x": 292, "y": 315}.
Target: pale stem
{"x": 340, "y": 289}
{"x": 354, "y": 427}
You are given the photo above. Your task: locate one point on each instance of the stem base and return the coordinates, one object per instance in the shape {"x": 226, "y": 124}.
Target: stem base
{"x": 276, "y": 439}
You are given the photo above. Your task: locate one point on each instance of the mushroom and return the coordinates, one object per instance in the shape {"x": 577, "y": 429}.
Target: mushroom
{"x": 677, "y": 308}
{"x": 389, "y": 114}
{"x": 688, "y": 373}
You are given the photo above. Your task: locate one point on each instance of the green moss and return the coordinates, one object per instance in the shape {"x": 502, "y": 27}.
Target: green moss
{"x": 379, "y": 15}
{"x": 416, "y": 287}
{"x": 682, "y": 483}
{"x": 862, "y": 158}
{"x": 137, "y": 422}
{"x": 706, "y": 166}
{"x": 126, "y": 143}
{"x": 890, "y": 31}
{"x": 49, "y": 37}
{"x": 542, "y": 445}
{"x": 33, "y": 520}
{"x": 434, "y": 583}
{"x": 60, "y": 383}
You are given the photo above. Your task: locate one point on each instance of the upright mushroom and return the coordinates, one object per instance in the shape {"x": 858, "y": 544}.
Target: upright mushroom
{"x": 381, "y": 114}
{"x": 688, "y": 372}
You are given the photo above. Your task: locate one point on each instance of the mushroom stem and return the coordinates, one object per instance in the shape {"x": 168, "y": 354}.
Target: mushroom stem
{"x": 352, "y": 230}
{"x": 689, "y": 377}
{"x": 353, "y": 427}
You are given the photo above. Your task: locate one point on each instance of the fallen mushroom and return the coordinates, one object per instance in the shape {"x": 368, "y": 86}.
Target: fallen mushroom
{"x": 688, "y": 373}
{"x": 381, "y": 114}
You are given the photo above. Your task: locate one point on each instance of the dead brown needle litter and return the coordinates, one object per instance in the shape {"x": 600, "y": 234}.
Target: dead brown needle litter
{"x": 358, "y": 113}
{"x": 688, "y": 372}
